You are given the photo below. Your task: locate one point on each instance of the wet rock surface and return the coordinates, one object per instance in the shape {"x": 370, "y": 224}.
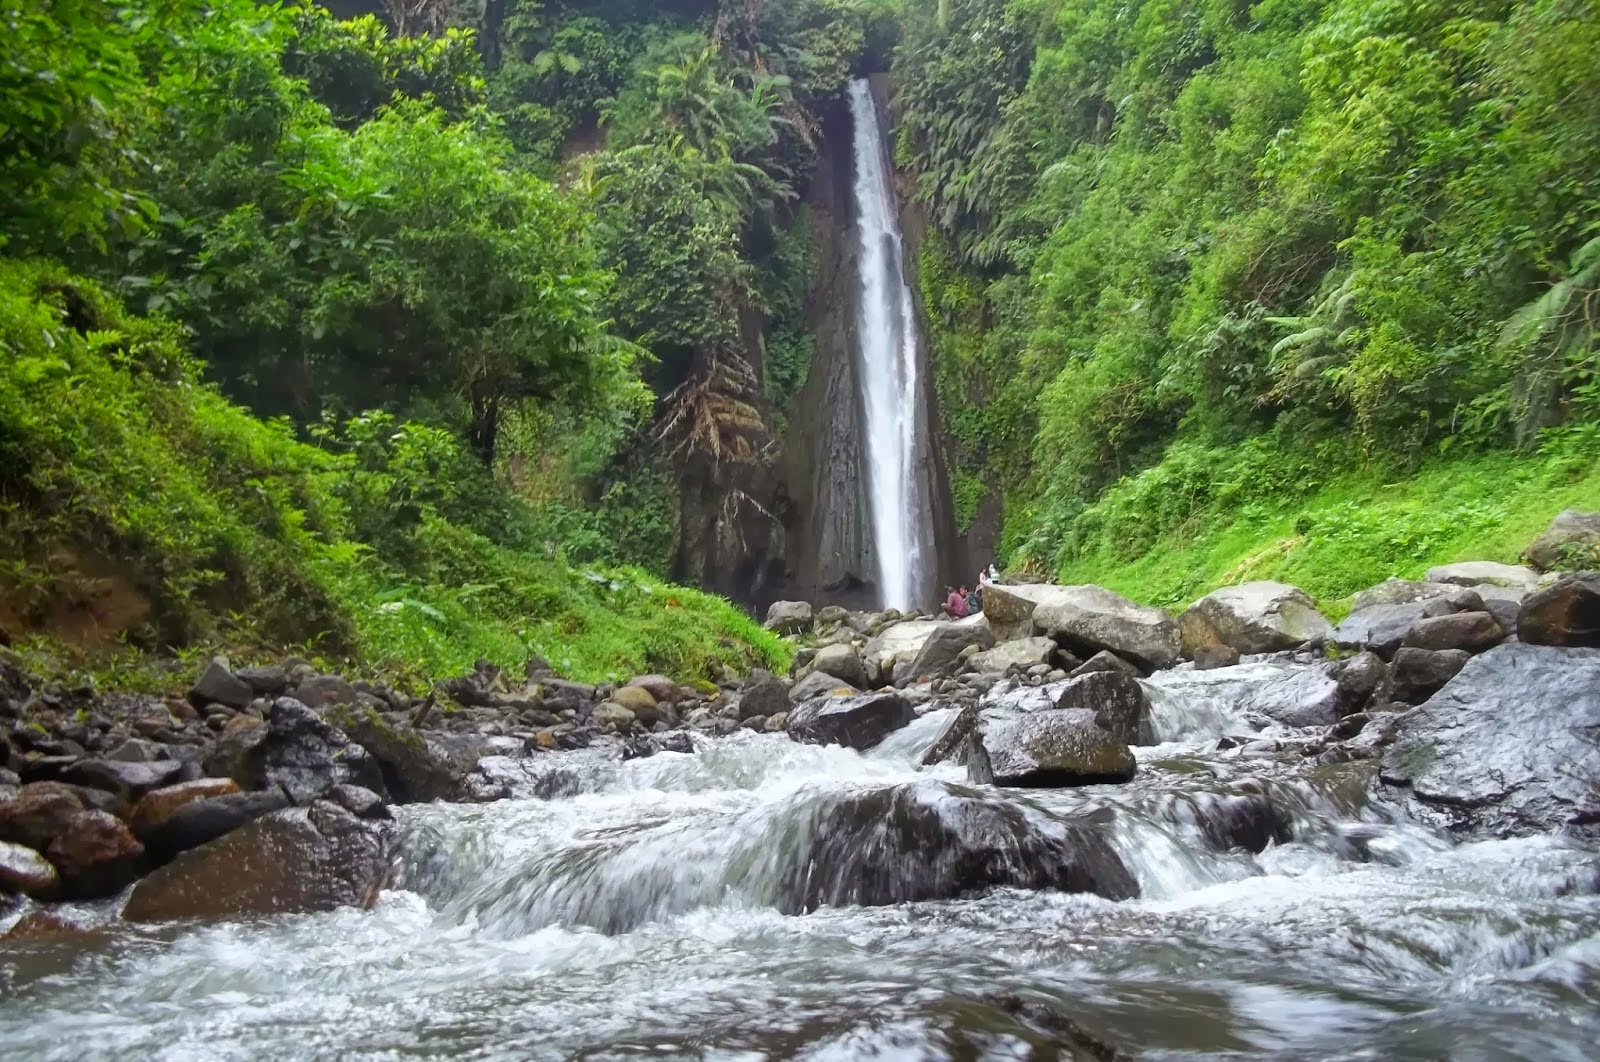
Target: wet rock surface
{"x": 1055, "y": 748}
{"x": 934, "y": 841}
{"x": 1509, "y": 746}
{"x": 1258, "y": 617}
{"x": 856, "y": 722}
{"x": 314, "y": 858}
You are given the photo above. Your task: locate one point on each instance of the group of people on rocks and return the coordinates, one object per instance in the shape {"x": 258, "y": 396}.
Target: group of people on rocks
{"x": 960, "y": 602}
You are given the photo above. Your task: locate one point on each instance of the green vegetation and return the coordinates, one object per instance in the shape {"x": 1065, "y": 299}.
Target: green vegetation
{"x": 1201, "y": 272}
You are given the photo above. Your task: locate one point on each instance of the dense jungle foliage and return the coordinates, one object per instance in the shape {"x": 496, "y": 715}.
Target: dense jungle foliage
{"x": 411, "y": 330}
{"x": 391, "y": 330}
{"x": 1230, "y": 288}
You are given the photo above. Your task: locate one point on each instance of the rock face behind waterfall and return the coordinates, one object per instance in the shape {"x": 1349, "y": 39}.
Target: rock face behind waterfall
{"x": 1509, "y": 746}
{"x": 932, "y": 841}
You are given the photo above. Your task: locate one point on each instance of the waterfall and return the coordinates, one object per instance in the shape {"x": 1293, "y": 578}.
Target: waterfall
{"x": 891, "y": 399}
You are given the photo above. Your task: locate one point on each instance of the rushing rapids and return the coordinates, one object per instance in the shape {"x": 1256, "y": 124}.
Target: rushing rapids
{"x": 760, "y": 898}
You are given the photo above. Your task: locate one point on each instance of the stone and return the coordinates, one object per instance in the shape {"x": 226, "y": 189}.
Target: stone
{"x": 818, "y": 684}
{"x": 790, "y": 617}
{"x": 1260, "y": 692}
{"x": 1418, "y": 674}
{"x": 96, "y": 855}
{"x": 637, "y": 700}
{"x": 1053, "y": 749}
{"x": 269, "y": 681}
{"x": 609, "y": 715}
{"x": 646, "y": 745}
{"x": 1381, "y": 628}
{"x": 1207, "y": 657}
{"x": 129, "y": 781}
{"x": 298, "y": 860}
{"x": 1087, "y": 619}
{"x": 1572, "y": 540}
{"x": 1566, "y": 613}
{"x": 932, "y": 841}
{"x": 895, "y": 655}
{"x": 1508, "y": 747}
{"x": 952, "y": 739}
{"x": 856, "y": 722}
{"x": 218, "y": 685}
{"x": 201, "y": 821}
{"x": 842, "y": 662}
{"x": 138, "y": 750}
{"x": 1010, "y": 606}
{"x": 296, "y": 750}
{"x": 766, "y": 697}
{"x": 1104, "y": 660}
{"x": 38, "y": 813}
{"x": 414, "y": 767}
{"x": 157, "y": 807}
{"x": 1359, "y": 678}
{"x": 1398, "y": 592}
{"x": 360, "y": 802}
{"x": 1256, "y": 617}
{"x": 777, "y": 724}
{"x": 1021, "y": 653}
{"x": 320, "y": 691}
{"x": 1472, "y": 631}
{"x": 25, "y": 871}
{"x": 1117, "y": 701}
{"x": 663, "y": 689}
{"x": 1473, "y": 573}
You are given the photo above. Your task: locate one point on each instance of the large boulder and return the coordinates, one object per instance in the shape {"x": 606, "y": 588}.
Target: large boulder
{"x": 96, "y": 855}
{"x": 1050, "y": 750}
{"x": 856, "y": 722}
{"x": 815, "y": 684}
{"x": 790, "y": 617}
{"x": 930, "y": 841}
{"x": 1567, "y": 613}
{"x": 1383, "y": 628}
{"x": 1086, "y": 619}
{"x": 314, "y": 858}
{"x": 1019, "y": 653}
{"x": 1010, "y": 608}
{"x": 1258, "y": 693}
{"x": 1571, "y": 540}
{"x": 1507, "y": 747}
{"x": 841, "y": 661}
{"x": 297, "y": 750}
{"x": 1259, "y": 617}
{"x": 1485, "y": 573}
{"x": 905, "y": 651}
{"x": 953, "y": 738}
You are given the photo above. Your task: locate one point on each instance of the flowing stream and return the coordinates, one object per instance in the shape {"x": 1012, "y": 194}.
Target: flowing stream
{"x": 888, "y": 370}
{"x": 647, "y": 908}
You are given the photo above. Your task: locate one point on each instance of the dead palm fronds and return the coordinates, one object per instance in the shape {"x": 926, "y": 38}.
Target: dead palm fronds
{"x": 712, "y": 413}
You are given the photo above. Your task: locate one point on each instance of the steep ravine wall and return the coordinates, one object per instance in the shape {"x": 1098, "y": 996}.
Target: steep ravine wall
{"x": 831, "y": 555}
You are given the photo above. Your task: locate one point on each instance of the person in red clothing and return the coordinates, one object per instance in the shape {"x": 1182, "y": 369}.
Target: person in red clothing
{"x": 956, "y": 604}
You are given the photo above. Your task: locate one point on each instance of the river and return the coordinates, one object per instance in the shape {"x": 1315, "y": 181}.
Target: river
{"x": 637, "y": 910}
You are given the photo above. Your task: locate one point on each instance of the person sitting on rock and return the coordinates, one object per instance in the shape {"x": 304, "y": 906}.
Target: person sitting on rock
{"x": 974, "y": 603}
{"x": 955, "y": 606}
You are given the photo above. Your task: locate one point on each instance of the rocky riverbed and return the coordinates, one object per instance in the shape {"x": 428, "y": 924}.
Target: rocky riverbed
{"x": 1070, "y": 821}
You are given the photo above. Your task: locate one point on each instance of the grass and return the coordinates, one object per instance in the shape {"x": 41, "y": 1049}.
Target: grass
{"x": 1352, "y": 530}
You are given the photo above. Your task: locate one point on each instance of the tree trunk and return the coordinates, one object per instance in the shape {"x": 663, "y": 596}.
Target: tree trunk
{"x": 485, "y": 427}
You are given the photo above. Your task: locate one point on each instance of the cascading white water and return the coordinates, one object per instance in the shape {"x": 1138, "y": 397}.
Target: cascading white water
{"x": 888, "y": 363}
